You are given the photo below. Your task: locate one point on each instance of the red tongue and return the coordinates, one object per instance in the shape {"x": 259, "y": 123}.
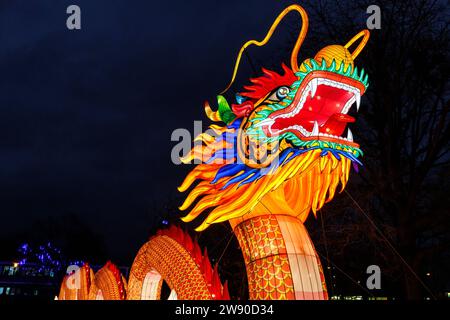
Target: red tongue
{"x": 336, "y": 124}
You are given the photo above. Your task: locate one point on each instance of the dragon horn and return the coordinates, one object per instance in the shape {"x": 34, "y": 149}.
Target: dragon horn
{"x": 365, "y": 34}
{"x": 298, "y": 43}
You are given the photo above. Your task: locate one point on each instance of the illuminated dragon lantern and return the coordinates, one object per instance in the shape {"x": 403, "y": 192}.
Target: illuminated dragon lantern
{"x": 284, "y": 150}
{"x": 170, "y": 256}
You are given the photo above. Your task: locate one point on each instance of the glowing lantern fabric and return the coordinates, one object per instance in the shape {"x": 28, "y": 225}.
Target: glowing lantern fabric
{"x": 280, "y": 259}
{"x": 281, "y": 153}
{"x": 109, "y": 284}
{"x": 76, "y": 285}
{"x": 171, "y": 255}
{"x": 106, "y": 284}
{"x": 174, "y": 257}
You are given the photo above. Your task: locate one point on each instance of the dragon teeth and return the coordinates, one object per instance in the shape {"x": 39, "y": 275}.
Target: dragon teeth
{"x": 349, "y": 135}
{"x": 315, "y": 131}
{"x": 313, "y": 85}
{"x": 358, "y": 100}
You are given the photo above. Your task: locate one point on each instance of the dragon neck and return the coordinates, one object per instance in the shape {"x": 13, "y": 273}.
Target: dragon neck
{"x": 279, "y": 255}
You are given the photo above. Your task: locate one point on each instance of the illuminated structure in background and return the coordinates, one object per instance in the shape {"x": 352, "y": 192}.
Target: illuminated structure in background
{"x": 281, "y": 154}
{"x": 171, "y": 255}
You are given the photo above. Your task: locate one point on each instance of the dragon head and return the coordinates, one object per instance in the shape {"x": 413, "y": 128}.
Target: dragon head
{"x": 309, "y": 109}
{"x": 286, "y": 145}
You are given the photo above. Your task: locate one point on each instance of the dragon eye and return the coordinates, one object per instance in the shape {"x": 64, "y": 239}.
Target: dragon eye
{"x": 282, "y": 92}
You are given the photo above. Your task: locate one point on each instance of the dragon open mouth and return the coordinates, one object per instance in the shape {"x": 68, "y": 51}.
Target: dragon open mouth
{"x": 319, "y": 109}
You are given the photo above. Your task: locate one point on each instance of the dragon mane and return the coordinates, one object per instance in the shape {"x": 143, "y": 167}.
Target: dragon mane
{"x": 231, "y": 189}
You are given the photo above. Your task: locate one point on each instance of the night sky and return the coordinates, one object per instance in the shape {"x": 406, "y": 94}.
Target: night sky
{"x": 86, "y": 116}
